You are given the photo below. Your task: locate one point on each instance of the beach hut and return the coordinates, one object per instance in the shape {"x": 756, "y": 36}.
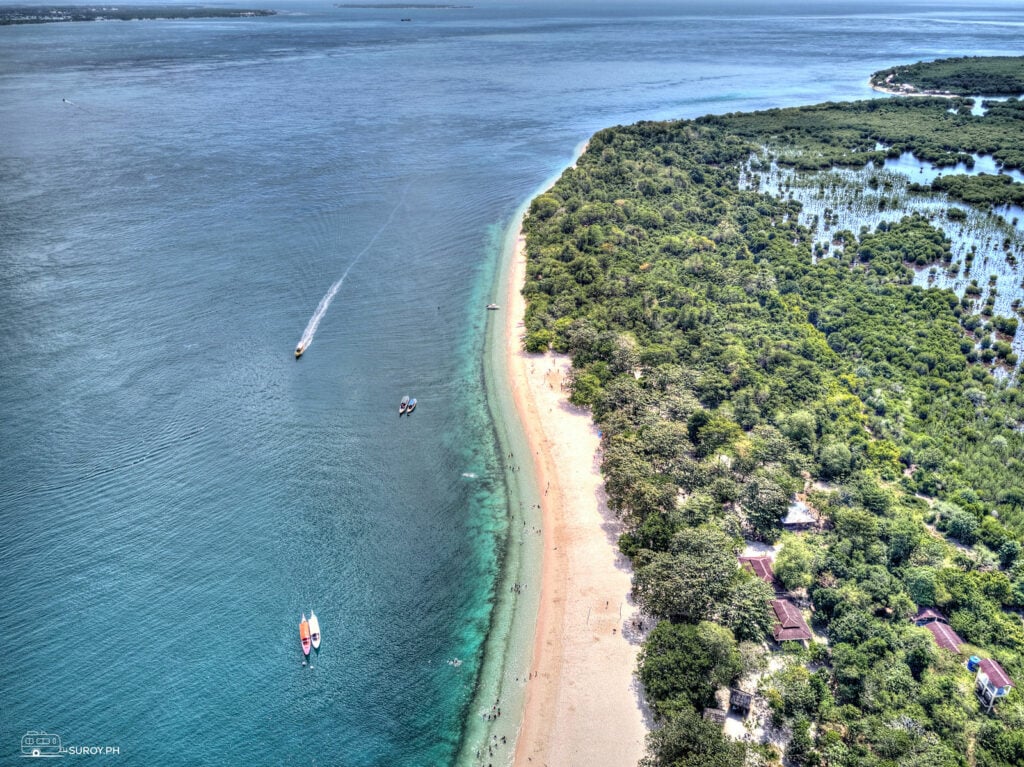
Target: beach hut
{"x": 761, "y": 567}
{"x": 790, "y": 625}
{"x": 740, "y": 702}
{"x": 991, "y": 683}
{"x": 944, "y": 636}
{"x": 716, "y": 715}
{"x": 927, "y": 615}
{"x": 940, "y": 629}
{"x": 799, "y": 517}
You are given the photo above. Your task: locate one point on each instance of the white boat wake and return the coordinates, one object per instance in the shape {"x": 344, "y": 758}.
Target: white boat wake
{"x": 321, "y": 308}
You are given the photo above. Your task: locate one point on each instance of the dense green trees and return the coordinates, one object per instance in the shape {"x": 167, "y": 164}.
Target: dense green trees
{"x": 984, "y": 190}
{"x": 966, "y": 76}
{"x": 745, "y": 608}
{"x": 688, "y": 581}
{"x": 795, "y": 564}
{"x": 765, "y": 503}
{"x": 682, "y": 664}
{"x": 689, "y": 741}
{"x": 728, "y": 369}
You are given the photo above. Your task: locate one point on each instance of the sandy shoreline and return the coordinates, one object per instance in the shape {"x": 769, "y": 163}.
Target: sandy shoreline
{"x": 895, "y": 91}
{"x": 583, "y": 703}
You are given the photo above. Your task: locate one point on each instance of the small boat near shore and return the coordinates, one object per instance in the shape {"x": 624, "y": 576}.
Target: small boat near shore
{"x": 304, "y": 635}
{"x": 493, "y": 307}
{"x": 403, "y": 405}
{"x": 411, "y": 406}
{"x": 299, "y": 350}
{"x": 314, "y": 630}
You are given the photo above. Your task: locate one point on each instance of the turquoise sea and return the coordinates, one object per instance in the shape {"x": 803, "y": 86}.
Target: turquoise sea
{"x": 176, "y": 199}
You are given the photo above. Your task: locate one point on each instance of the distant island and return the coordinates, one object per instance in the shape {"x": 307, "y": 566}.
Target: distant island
{"x": 48, "y": 14}
{"x": 963, "y": 76}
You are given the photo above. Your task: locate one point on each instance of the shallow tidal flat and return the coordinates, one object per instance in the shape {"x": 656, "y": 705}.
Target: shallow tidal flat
{"x": 987, "y": 246}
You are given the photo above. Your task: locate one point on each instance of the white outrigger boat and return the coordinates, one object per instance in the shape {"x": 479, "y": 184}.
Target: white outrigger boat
{"x": 314, "y": 630}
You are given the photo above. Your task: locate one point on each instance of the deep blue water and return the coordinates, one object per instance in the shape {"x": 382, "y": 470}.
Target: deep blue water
{"x": 175, "y": 199}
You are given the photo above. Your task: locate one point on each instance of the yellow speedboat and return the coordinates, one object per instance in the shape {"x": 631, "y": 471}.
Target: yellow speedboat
{"x": 299, "y": 350}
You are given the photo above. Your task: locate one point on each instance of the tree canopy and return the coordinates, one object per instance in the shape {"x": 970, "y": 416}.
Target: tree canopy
{"x": 964, "y": 76}
{"x": 730, "y": 366}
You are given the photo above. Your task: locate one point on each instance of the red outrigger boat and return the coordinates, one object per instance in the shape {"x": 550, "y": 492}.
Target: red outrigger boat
{"x": 304, "y": 635}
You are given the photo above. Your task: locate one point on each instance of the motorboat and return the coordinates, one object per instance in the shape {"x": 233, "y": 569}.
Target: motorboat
{"x": 299, "y": 350}
{"x": 304, "y": 635}
{"x": 493, "y": 307}
{"x": 314, "y": 630}
{"x": 411, "y": 407}
{"x": 403, "y": 405}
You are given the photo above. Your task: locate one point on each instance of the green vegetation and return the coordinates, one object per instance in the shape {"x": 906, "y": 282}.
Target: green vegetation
{"x": 965, "y": 76}
{"x": 984, "y": 189}
{"x": 850, "y": 134}
{"x": 728, "y": 369}
{"x": 688, "y": 741}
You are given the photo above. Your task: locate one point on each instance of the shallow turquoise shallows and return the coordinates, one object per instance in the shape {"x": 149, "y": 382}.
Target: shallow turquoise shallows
{"x": 176, "y": 200}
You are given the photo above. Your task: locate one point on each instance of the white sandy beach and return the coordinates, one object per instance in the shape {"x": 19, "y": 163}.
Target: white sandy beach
{"x": 583, "y": 702}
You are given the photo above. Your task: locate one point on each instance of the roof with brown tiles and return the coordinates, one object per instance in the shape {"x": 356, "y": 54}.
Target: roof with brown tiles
{"x": 759, "y": 566}
{"x": 996, "y": 675}
{"x": 945, "y": 637}
{"x": 791, "y": 623}
{"x": 929, "y": 614}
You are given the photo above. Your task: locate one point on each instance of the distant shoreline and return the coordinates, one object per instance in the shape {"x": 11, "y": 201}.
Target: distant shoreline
{"x": 966, "y": 76}
{"x": 15, "y": 15}
{"x": 928, "y": 94}
{"x": 898, "y": 89}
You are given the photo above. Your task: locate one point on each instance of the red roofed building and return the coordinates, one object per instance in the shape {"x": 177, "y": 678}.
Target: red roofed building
{"x": 945, "y": 637}
{"x": 992, "y": 683}
{"x": 927, "y": 615}
{"x": 759, "y": 566}
{"x": 936, "y": 623}
{"x": 791, "y": 625}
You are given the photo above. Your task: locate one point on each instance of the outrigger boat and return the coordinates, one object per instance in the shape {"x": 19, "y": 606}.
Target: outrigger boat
{"x": 403, "y": 405}
{"x": 314, "y": 630}
{"x": 299, "y": 350}
{"x": 411, "y": 407}
{"x": 304, "y": 635}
